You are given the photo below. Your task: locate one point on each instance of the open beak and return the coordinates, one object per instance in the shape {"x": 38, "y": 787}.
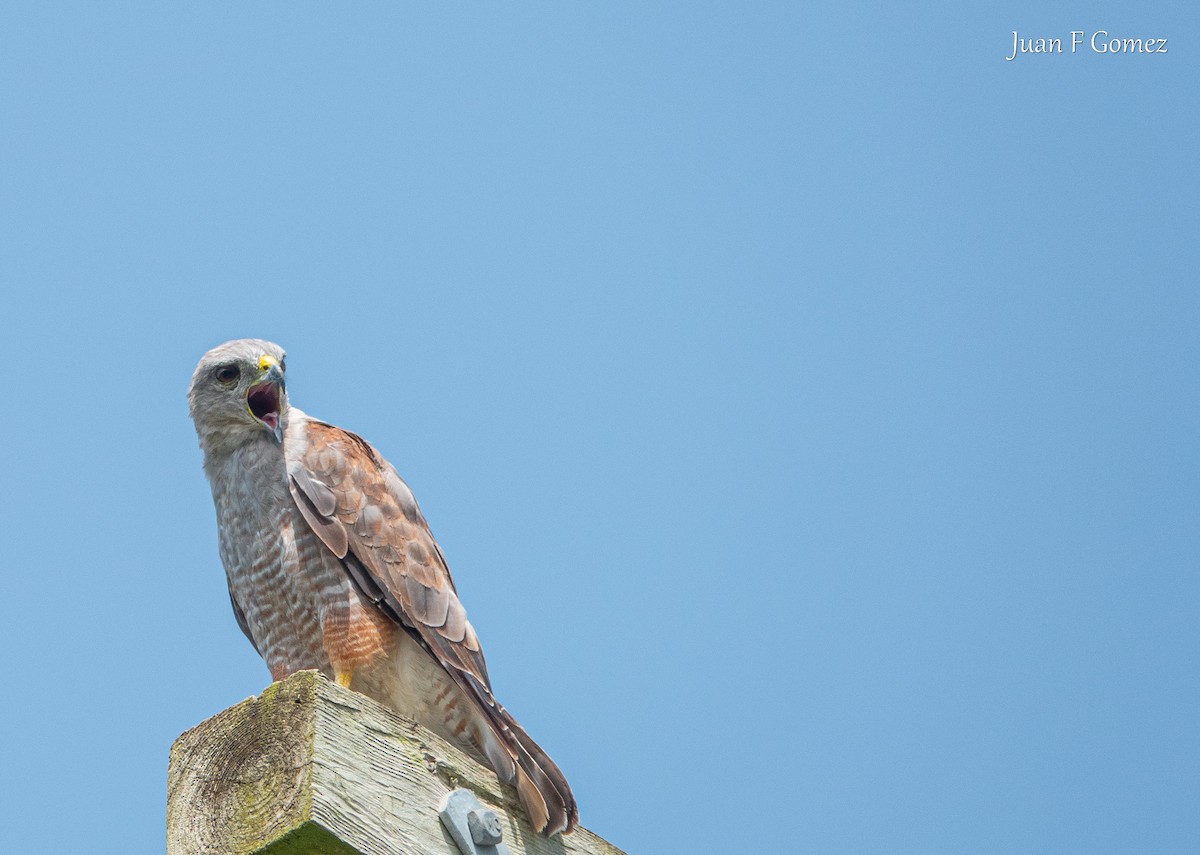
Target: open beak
{"x": 265, "y": 398}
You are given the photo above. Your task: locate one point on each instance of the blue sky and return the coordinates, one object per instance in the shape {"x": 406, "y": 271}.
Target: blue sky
{"x": 804, "y": 396}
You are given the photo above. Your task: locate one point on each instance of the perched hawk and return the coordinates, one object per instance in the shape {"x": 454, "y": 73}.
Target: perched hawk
{"x": 331, "y": 566}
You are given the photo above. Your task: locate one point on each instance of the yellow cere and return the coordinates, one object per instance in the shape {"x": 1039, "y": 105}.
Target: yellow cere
{"x": 267, "y": 361}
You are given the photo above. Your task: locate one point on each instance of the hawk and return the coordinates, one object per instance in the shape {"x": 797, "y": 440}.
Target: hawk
{"x": 332, "y": 566}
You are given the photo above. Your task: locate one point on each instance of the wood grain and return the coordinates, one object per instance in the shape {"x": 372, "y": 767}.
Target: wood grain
{"x": 309, "y": 767}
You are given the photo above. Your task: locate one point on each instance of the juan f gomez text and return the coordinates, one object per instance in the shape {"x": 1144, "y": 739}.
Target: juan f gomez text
{"x": 1099, "y": 42}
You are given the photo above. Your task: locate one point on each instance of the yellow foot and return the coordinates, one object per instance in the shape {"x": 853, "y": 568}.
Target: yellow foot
{"x": 343, "y": 678}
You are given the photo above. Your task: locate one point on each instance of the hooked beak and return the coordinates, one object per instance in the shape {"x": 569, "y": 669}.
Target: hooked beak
{"x": 265, "y": 398}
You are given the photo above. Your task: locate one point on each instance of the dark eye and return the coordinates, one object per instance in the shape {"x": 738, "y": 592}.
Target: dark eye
{"x": 226, "y": 373}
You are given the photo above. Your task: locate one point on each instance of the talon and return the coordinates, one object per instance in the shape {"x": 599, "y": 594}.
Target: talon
{"x": 343, "y": 678}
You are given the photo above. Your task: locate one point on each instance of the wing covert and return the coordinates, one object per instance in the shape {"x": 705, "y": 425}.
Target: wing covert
{"x": 362, "y": 510}
{"x": 364, "y": 513}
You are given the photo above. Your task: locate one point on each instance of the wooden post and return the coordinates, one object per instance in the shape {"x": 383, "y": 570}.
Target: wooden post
{"x": 310, "y": 768}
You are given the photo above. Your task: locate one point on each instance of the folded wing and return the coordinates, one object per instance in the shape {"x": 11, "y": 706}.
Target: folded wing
{"x": 365, "y": 514}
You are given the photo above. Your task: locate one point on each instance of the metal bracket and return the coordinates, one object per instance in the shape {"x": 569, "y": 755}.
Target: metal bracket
{"x": 476, "y": 829}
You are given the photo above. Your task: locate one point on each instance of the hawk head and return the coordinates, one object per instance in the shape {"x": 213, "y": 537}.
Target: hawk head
{"x": 237, "y": 395}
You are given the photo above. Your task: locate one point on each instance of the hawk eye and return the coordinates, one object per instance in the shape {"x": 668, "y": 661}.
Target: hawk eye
{"x": 226, "y": 373}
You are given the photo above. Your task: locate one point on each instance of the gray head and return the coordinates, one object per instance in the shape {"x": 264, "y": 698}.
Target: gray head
{"x": 237, "y": 395}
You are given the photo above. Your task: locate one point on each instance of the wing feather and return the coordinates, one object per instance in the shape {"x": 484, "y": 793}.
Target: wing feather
{"x": 362, "y": 510}
{"x": 326, "y": 526}
{"x": 240, "y": 616}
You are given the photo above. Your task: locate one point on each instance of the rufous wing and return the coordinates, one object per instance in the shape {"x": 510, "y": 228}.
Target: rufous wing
{"x": 365, "y": 514}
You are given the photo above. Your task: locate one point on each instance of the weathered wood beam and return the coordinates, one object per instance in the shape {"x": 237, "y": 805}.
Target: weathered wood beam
{"x": 309, "y": 768}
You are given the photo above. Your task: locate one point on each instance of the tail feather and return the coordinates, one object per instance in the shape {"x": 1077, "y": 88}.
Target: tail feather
{"x": 541, "y": 784}
{"x": 520, "y": 761}
{"x": 535, "y": 803}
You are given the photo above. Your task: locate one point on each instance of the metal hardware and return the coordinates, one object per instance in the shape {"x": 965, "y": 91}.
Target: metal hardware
{"x": 476, "y": 829}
